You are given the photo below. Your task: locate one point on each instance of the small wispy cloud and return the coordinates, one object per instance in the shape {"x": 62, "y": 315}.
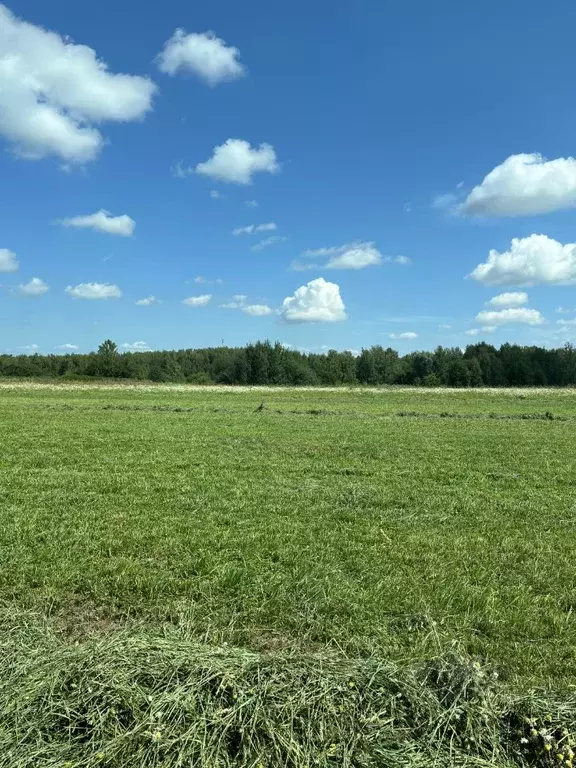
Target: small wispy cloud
{"x": 404, "y": 336}
{"x": 240, "y": 301}
{"x": 445, "y": 201}
{"x": 478, "y": 331}
{"x": 258, "y": 310}
{"x": 356, "y": 255}
{"x": 267, "y": 242}
{"x": 201, "y": 280}
{"x": 136, "y": 346}
{"x": 179, "y": 171}
{"x": 197, "y": 301}
{"x": 252, "y": 229}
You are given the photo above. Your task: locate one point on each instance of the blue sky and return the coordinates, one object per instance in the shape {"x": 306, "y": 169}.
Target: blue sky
{"x": 381, "y": 122}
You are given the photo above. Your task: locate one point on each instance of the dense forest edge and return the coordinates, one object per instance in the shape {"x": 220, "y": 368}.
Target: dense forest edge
{"x": 264, "y": 363}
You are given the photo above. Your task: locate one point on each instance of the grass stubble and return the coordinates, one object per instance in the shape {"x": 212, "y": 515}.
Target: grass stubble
{"x": 189, "y": 581}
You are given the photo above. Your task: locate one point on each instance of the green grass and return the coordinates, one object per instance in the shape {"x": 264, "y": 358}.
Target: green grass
{"x": 388, "y": 527}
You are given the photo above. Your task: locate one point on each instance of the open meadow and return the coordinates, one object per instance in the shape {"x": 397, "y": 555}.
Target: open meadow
{"x": 321, "y": 550}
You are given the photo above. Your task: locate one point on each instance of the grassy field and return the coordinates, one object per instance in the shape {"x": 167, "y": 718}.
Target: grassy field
{"x": 389, "y": 528}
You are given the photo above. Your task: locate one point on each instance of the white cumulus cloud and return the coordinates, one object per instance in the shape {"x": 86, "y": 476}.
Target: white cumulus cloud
{"x": 197, "y": 301}
{"x": 404, "y": 336}
{"x": 316, "y": 302}
{"x": 511, "y": 299}
{"x": 533, "y": 260}
{"x": 524, "y": 185}
{"x": 147, "y": 301}
{"x": 103, "y": 221}
{"x": 511, "y": 315}
{"x": 206, "y": 55}
{"x": 53, "y": 92}
{"x": 236, "y": 162}
{"x": 253, "y": 228}
{"x": 68, "y": 347}
{"x": 94, "y": 291}
{"x": 36, "y": 287}
{"x": 8, "y": 260}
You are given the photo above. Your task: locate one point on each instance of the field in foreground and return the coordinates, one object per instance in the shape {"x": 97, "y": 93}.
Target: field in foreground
{"x": 333, "y": 531}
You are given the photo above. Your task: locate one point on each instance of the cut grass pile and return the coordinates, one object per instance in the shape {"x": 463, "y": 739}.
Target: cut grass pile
{"x": 132, "y": 699}
{"x": 322, "y": 555}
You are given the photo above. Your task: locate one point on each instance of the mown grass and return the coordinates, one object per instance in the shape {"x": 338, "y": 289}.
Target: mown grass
{"x": 323, "y": 532}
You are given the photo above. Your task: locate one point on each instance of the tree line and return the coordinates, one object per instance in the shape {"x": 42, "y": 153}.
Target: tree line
{"x": 264, "y": 363}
